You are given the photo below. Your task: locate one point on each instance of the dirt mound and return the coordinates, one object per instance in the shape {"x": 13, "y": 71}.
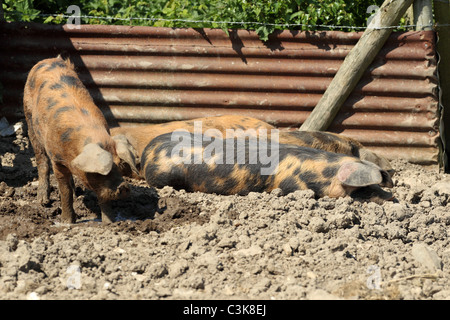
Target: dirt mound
{"x": 170, "y": 244}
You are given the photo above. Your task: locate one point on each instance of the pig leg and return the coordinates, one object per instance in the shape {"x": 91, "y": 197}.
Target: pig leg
{"x": 64, "y": 177}
{"x": 44, "y": 177}
{"x": 108, "y": 215}
{"x": 43, "y": 166}
{"x": 72, "y": 185}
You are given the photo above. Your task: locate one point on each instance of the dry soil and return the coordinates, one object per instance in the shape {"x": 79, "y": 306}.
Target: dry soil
{"x": 170, "y": 244}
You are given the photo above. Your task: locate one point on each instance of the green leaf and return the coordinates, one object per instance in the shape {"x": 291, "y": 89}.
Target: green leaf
{"x": 296, "y": 14}
{"x": 263, "y": 33}
{"x": 49, "y": 19}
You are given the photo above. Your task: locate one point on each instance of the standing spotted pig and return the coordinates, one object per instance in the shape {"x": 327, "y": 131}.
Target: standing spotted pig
{"x": 68, "y": 131}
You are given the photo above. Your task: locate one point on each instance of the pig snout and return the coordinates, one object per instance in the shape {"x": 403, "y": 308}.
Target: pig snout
{"x": 107, "y": 188}
{"x": 106, "y": 195}
{"x": 123, "y": 190}
{"x": 372, "y": 193}
{"x": 114, "y": 193}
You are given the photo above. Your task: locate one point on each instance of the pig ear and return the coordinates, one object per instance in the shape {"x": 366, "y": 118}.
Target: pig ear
{"x": 359, "y": 174}
{"x": 93, "y": 159}
{"x": 385, "y": 175}
{"x": 126, "y": 152}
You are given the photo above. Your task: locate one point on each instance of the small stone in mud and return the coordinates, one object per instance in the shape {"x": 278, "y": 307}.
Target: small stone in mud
{"x": 178, "y": 268}
{"x": 157, "y": 270}
{"x": 287, "y": 249}
{"x": 5, "y": 190}
{"x": 12, "y": 242}
{"x": 426, "y": 257}
{"x": 318, "y": 225}
{"x": 226, "y": 243}
{"x": 147, "y": 225}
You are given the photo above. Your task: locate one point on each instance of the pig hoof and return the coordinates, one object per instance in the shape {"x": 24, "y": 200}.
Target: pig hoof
{"x": 70, "y": 220}
{"x": 106, "y": 219}
{"x": 43, "y": 199}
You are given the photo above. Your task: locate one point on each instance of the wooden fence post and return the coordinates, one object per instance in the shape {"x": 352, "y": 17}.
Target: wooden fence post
{"x": 423, "y": 15}
{"x": 442, "y": 17}
{"x": 355, "y": 63}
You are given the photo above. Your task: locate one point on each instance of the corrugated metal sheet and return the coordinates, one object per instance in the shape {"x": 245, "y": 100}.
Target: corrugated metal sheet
{"x": 145, "y": 74}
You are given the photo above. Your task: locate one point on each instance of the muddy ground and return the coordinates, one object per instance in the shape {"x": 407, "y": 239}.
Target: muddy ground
{"x": 171, "y": 244}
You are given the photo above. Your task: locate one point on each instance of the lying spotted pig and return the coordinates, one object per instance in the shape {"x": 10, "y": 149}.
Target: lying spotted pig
{"x": 235, "y": 166}
{"x": 140, "y": 136}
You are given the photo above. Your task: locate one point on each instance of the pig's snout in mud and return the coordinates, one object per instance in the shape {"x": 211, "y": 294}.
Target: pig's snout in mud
{"x": 120, "y": 192}
{"x": 107, "y": 211}
{"x": 373, "y": 193}
{"x": 123, "y": 190}
{"x": 117, "y": 192}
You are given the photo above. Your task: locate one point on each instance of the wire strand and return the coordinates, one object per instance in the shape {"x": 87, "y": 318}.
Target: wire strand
{"x": 283, "y": 25}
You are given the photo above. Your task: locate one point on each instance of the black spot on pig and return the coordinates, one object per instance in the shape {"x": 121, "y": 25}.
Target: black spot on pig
{"x": 40, "y": 66}
{"x": 71, "y": 81}
{"x": 313, "y": 182}
{"x": 51, "y": 103}
{"x": 32, "y": 82}
{"x": 56, "y": 86}
{"x": 42, "y": 85}
{"x": 65, "y": 136}
{"x": 56, "y": 64}
{"x": 61, "y": 110}
{"x": 330, "y": 172}
{"x": 288, "y": 185}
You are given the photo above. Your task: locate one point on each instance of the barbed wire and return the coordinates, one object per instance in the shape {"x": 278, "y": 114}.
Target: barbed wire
{"x": 241, "y": 23}
{"x": 283, "y": 25}
{"x": 287, "y": 25}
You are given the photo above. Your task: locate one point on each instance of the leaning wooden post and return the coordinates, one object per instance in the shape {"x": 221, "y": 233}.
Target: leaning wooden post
{"x": 355, "y": 63}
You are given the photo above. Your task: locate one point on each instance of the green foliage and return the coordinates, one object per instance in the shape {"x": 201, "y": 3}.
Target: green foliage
{"x": 21, "y": 10}
{"x": 263, "y": 16}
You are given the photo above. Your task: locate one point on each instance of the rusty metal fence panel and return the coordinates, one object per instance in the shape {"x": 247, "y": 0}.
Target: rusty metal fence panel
{"x": 142, "y": 75}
